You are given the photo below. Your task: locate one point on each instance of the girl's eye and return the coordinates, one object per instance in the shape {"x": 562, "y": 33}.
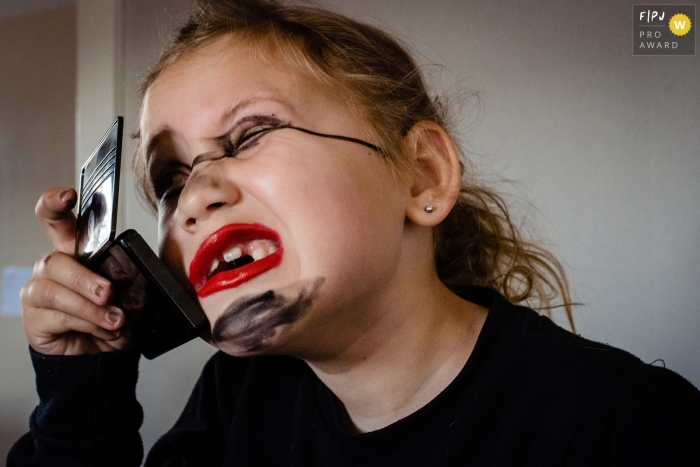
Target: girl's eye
{"x": 170, "y": 183}
{"x": 246, "y": 134}
{"x": 249, "y": 135}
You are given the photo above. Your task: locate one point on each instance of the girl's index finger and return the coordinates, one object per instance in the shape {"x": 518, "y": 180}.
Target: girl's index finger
{"x": 54, "y": 211}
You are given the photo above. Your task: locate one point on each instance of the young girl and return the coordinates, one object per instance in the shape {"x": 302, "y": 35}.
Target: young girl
{"x": 362, "y": 296}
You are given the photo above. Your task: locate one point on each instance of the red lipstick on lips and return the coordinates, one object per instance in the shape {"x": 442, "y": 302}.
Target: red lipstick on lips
{"x": 213, "y": 248}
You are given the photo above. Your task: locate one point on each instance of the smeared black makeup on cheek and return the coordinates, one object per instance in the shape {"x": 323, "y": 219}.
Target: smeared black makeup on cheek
{"x": 250, "y": 323}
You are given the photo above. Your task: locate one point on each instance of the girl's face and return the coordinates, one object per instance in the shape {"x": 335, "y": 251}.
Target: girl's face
{"x": 292, "y": 239}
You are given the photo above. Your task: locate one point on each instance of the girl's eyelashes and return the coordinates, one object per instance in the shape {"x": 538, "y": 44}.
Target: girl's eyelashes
{"x": 248, "y": 132}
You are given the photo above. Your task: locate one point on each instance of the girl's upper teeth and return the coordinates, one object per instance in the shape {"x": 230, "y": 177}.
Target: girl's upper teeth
{"x": 257, "y": 249}
{"x": 259, "y": 253}
{"x": 233, "y": 253}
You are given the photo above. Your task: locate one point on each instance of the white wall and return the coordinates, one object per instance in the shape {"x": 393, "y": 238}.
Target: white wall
{"x": 37, "y": 120}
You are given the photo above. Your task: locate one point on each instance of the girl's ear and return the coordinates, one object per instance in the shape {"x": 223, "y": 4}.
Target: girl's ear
{"x": 437, "y": 174}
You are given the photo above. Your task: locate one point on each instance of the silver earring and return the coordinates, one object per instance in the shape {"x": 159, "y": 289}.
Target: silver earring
{"x": 429, "y": 209}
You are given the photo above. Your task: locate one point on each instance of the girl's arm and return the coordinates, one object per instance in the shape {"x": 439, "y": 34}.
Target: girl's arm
{"x": 87, "y": 413}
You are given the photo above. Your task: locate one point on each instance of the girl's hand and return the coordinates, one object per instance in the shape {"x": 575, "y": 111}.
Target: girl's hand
{"x": 65, "y": 306}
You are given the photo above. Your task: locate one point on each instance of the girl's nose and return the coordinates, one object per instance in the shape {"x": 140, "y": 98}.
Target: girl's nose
{"x": 206, "y": 192}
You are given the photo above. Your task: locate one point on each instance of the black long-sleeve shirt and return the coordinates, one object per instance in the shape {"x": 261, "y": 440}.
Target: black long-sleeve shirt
{"x": 530, "y": 394}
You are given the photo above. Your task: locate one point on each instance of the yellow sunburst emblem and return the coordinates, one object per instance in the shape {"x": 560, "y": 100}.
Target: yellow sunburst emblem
{"x": 679, "y": 24}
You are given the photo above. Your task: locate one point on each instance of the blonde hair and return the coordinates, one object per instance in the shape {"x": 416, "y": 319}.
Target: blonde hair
{"x": 478, "y": 243}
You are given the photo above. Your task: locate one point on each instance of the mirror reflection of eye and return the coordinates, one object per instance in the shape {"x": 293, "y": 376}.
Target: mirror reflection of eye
{"x": 91, "y": 223}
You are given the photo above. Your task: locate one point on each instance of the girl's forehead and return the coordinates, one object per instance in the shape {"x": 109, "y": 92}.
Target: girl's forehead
{"x": 240, "y": 65}
{"x": 225, "y": 73}
{"x": 239, "y": 57}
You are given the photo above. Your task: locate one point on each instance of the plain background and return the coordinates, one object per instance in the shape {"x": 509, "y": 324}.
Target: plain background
{"x": 602, "y": 148}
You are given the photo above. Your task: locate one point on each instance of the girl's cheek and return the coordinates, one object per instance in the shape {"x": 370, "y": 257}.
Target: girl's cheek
{"x": 166, "y": 214}
{"x": 170, "y": 251}
{"x": 166, "y": 228}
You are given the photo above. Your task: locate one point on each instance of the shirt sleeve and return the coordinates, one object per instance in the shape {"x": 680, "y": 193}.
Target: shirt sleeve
{"x": 200, "y": 435}
{"x": 87, "y": 414}
{"x": 649, "y": 417}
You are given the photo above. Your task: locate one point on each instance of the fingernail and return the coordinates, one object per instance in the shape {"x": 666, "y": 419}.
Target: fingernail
{"x": 114, "y": 315}
{"x": 99, "y": 290}
{"x": 63, "y": 194}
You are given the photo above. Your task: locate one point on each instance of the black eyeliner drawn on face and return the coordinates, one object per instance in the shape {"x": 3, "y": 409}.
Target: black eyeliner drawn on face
{"x": 232, "y": 149}
{"x": 236, "y": 140}
{"x": 250, "y": 323}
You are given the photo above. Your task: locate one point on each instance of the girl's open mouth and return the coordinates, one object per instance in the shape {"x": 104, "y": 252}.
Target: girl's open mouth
{"x": 232, "y": 255}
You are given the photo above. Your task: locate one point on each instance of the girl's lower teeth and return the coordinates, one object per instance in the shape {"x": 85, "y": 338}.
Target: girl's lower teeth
{"x": 236, "y": 263}
{"x": 213, "y": 266}
{"x": 235, "y": 256}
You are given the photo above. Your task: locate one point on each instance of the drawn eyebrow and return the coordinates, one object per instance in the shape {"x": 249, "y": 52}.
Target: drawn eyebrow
{"x": 151, "y": 149}
{"x": 151, "y": 146}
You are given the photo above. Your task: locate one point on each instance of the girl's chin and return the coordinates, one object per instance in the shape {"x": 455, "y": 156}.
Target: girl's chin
{"x": 254, "y": 323}
{"x": 234, "y": 349}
